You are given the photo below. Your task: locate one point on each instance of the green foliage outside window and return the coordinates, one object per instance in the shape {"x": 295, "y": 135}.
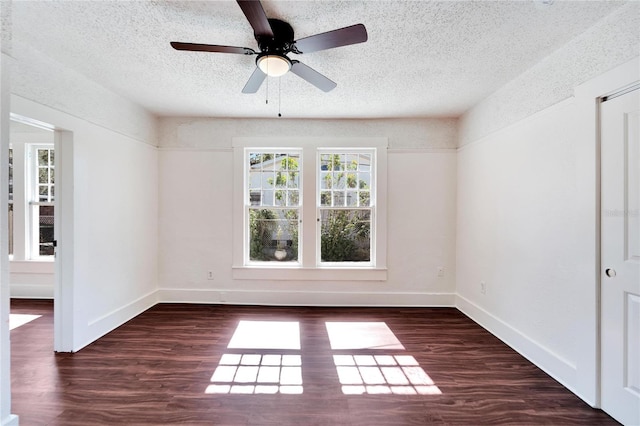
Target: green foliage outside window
{"x": 345, "y": 236}
{"x": 262, "y": 226}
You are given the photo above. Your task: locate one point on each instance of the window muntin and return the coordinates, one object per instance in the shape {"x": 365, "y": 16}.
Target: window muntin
{"x": 272, "y": 205}
{"x": 346, "y": 206}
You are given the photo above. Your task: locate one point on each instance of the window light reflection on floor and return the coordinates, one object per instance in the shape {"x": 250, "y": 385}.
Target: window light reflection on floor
{"x": 17, "y": 320}
{"x": 383, "y": 374}
{"x": 260, "y": 373}
{"x": 257, "y": 374}
{"x": 361, "y": 335}
{"x": 266, "y": 335}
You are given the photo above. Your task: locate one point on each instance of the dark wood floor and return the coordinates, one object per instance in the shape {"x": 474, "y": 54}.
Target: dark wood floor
{"x": 167, "y": 367}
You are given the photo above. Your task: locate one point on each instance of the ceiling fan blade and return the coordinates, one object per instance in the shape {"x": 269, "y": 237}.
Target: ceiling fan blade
{"x": 336, "y": 38}
{"x": 196, "y": 47}
{"x": 312, "y": 76}
{"x": 255, "y": 81}
{"x": 254, "y": 12}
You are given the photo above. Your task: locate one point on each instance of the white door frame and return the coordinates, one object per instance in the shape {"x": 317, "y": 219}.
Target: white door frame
{"x": 63, "y": 293}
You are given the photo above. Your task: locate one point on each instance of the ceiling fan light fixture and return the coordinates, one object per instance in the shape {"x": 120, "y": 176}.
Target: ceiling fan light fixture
{"x": 274, "y": 65}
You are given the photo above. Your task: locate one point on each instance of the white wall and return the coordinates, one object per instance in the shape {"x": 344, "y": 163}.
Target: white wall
{"x": 196, "y": 204}
{"x": 527, "y": 221}
{"x": 6, "y": 418}
{"x": 527, "y": 202}
{"x": 522, "y": 229}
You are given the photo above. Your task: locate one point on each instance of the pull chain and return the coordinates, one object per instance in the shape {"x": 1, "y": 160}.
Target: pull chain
{"x": 279, "y": 95}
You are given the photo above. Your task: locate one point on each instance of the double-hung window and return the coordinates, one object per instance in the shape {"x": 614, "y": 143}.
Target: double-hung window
{"x": 10, "y": 217}
{"x": 307, "y": 208}
{"x": 346, "y": 205}
{"x": 41, "y": 200}
{"x": 272, "y": 205}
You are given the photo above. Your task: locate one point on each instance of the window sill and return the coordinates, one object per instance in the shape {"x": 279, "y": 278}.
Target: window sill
{"x": 309, "y": 274}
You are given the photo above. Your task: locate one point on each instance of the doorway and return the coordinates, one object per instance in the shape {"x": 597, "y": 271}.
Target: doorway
{"x": 39, "y": 196}
{"x": 620, "y": 256}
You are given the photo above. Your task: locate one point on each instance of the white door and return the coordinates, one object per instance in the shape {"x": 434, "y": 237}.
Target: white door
{"x": 620, "y": 251}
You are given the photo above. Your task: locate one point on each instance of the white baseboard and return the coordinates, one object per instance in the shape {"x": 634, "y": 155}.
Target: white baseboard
{"x": 31, "y": 291}
{"x": 11, "y": 420}
{"x": 552, "y": 364}
{"x": 304, "y": 298}
{"x": 100, "y": 326}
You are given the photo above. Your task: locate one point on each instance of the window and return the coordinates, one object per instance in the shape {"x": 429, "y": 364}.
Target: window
{"x": 41, "y": 198}
{"x": 31, "y": 201}
{"x": 345, "y": 205}
{"x": 31, "y": 191}
{"x": 310, "y": 208}
{"x": 273, "y": 205}
{"x": 10, "y": 216}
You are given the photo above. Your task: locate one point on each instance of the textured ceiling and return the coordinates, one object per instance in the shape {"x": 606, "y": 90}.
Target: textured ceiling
{"x": 422, "y": 58}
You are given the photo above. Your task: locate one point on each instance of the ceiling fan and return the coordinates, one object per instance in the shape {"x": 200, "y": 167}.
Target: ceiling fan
{"x": 275, "y": 40}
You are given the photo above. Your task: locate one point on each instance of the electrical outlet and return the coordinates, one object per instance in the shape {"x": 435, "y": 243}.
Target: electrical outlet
{"x": 483, "y": 287}
{"x": 210, "y": 275}
{"x": 440, "y": 271}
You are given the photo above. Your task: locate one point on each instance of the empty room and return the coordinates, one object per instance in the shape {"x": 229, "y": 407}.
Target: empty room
{"x": 320, "y": 212}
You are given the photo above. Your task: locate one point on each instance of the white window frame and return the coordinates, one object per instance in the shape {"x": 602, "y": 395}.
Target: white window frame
{"x": 309, "y": 268}
{"x": 33, "y": 201}
{"x": 247, "y": 206}
{"x": 11, "y": 209}
{"x": 372, "y": 207}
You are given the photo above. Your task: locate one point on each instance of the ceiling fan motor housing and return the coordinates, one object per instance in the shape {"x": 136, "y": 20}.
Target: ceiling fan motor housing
{"x": 282, "y": 40}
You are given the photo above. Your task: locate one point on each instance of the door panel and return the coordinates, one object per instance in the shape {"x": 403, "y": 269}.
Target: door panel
{"x": 620, "y": 251}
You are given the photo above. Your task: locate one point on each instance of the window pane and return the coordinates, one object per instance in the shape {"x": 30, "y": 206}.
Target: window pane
{"x": 267, "y": 198}
{"x": 365, "y": 163}
{"x": 293, "y": 180}
{"x": 352, "y": 199}
{"x": 45, "y": 230}
{"x": 345, "y": 236}
{"x": 43, "y": 157}
{"x": 294, "y": 198}
{"x": 43, "y": 175}
{"x": 325, "y": 198}
{"x": 43, "y": 193}
{"x": 365, "y": 198}
{"x": 273, "y": 235}
{"x": 254, "y": 179}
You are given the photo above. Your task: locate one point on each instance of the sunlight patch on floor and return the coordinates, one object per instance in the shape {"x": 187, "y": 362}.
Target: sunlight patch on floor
{"x": 361, "y": 335}
{"x": 17, "y": 320}
{"x": 383, "y": 374}
{"x": 266, "y": 335}
{"x": 257, "y": 374}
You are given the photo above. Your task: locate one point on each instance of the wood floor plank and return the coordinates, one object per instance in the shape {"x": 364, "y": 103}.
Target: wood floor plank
{"x": 157, "y": 369}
